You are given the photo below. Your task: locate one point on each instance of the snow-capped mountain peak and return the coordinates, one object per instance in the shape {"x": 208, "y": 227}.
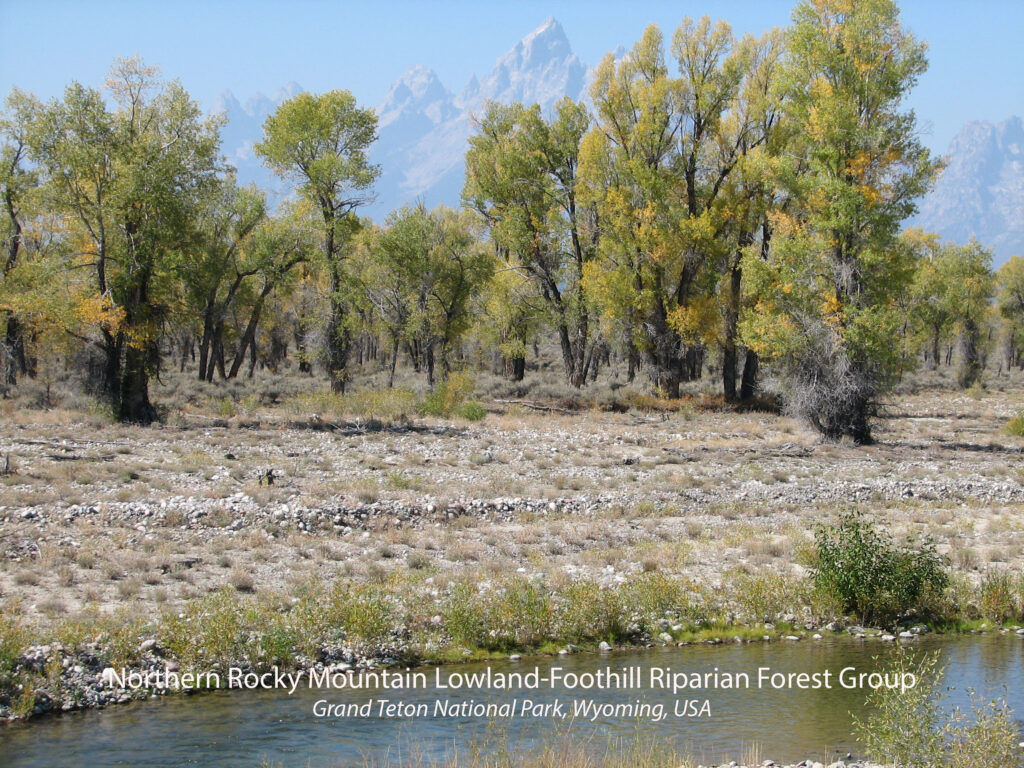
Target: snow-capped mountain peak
{"x": 981, "y": 192}
{"x": 420, "y": 90}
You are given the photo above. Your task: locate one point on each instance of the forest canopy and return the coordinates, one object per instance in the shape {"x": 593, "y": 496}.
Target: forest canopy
{"x": 721, "y": 205}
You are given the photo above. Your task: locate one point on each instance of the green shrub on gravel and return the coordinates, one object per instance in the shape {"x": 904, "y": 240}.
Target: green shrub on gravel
{"x": 873, "y": 578}
{"x": 448, "y": 395}
{"x": 14, "y": 638}
{"x": 470, "y": 411}
{"x": 1015, "y": 426}
{"x": 1001, "y": 596}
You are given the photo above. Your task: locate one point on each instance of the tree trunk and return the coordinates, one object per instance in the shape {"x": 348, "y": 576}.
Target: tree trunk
{"x": 729, "y": 352}
{"x": 394, "y": 362}
{"x": 970, "y": 365}
{"x": 135, "y": 405}
{"x": 515, "y": 368}
{"x": 19, "y": 362}
{"x": 748, "y": 385}
{"x": 249, "y": 337}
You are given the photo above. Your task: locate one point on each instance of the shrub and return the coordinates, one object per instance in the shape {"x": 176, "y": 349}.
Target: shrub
{"x": 873, "y": 578}
{"x": 1015, "y": 426}
{"x": 903, "y": 727}
{"x": 998, "y": 597}
{"x": 14, "y": 638}
{"x": 515, "y": 614}
{"x": 766, "y": 596}
{"x": 448, "y": 395}
{"x": 586, "y": 612}
{"x": 907, "y": 728}
{"x": 470, "y": 411}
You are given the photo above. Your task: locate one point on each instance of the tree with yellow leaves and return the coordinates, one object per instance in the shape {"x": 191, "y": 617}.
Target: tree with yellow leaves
{"x": 826, "y": 307}
{"x": 662, "y": 168}
{"x": 130, "y": 181}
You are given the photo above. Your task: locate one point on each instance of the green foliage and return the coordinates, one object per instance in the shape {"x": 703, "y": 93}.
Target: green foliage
{"x": 320, "y": 142}
{"x": 873, "y": 578}
{"x": 826, "y": 295}
{"x": 1015, "y": 426}
{"x": 587, "y": 612}
{"x": 765, "y": 597}
{"x": 904, "y": 726}
{"x": 130, "y": 183}
{"x": 1001, "y": 596}
{"x": 514, "y": 614}
{"x": 675, "y": 172}
{"x": 521, "y": 176}
{"x": 1010, "y": 301}
{"x": 470, "y": 411}
{"x": 448, "y": 395}
{"x": 418, "y": 277}
{"x": 908, "y": 728}
{"x": 14, "y": 638}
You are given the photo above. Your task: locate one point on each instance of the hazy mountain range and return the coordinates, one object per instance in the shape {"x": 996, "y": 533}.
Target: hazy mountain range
{"x": 423, "y": 128}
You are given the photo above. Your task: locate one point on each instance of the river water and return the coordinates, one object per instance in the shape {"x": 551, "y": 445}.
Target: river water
{"x": 273, "y": 728}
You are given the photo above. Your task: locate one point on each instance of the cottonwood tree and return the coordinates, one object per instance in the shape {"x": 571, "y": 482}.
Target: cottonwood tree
{"x": 970, "y": 287}
{"x": 658, "y": 167}
{"x": 510, "y": 315}
{"x": 320, "y": 142}
{"x": 18, "y": 181}
{"x": 131, "y": 180}
{"x": 928, "y": 306}
{"x": 522, "y": 177}
{"x": 434, "y": 266}
{"x": 826, "y": 310}
{"x": 1010, "y": 300}
{"x": 278, "y": 246}
{"x": 217, "y": 268}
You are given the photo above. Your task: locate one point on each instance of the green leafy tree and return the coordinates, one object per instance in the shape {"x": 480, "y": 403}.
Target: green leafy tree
{"x": 970, "y": 286}
{"x": 133, "y": 180}
{"x": 929, "y": 309}
{"x": 522, "y": 176}
{"x": 278, "y": 246}
{"x": 510, "y": 316}
{"x": 826, "y": 307}
{"x": 216, "y": 270}
{"x": 662, "y": 168}
{"x": 436, "y": 258}
{"x": 18, "y": 181}
{"x": 1011, "y": 307}
{"x": 320, "y": 142}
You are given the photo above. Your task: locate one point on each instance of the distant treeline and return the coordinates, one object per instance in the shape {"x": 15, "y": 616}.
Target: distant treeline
{"x": 730, "y": 199}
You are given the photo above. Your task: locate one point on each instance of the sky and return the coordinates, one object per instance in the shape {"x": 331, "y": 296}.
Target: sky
{"x": 976, "y": 57}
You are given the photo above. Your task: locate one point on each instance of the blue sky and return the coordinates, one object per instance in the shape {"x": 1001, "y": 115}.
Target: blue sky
{"x": 976, "y": 55}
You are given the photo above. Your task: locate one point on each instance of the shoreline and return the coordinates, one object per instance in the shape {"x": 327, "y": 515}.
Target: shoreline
{"x": 86, "y": 684}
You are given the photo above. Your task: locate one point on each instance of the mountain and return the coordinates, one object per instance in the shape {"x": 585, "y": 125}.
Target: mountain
{"x": 981, "y": 192}
{"x": 243, "y": 128}
{"x": 423, "y": 127}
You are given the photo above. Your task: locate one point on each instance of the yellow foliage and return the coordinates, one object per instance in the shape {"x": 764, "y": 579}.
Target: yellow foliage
{"x": 831, "y": 310}
{"x": 698, "y": 321}
{"x": 870, "y": 193}
{"x": 100, "y": 312}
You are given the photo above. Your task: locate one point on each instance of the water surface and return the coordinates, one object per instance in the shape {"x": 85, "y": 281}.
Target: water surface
{"x": 237, "y": 728}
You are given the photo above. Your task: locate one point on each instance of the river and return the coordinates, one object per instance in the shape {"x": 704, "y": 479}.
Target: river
{"x": 271, "y": 727}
